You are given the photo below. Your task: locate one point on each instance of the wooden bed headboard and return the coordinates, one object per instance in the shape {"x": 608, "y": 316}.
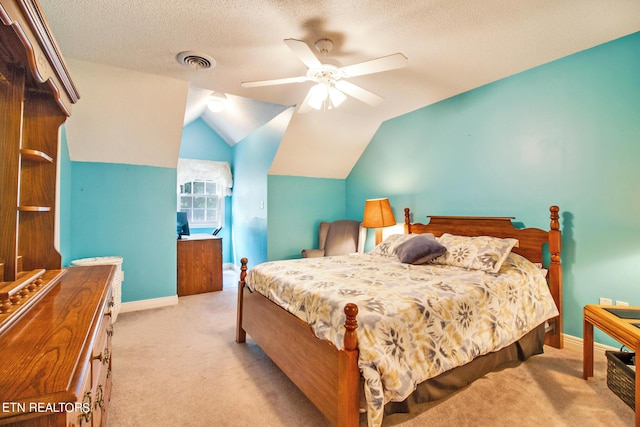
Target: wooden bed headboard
{"x": 532, "y": 242}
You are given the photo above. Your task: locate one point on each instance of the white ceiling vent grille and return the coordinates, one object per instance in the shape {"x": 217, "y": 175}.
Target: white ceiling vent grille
{"x": 195, "y": 60}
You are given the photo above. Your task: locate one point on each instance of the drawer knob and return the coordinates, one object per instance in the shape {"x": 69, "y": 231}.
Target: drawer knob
{"x": 104, "y": 357}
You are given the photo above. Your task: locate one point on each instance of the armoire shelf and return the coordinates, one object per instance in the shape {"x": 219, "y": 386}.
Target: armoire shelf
{"x": 35, "y": 155}
{"x": 34, "y": 208}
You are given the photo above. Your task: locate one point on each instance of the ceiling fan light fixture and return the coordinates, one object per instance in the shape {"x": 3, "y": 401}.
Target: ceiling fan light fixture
{"x": 318, "y": 94}
{"x": 336, "y": 97}
{"x": 324, "y": 96}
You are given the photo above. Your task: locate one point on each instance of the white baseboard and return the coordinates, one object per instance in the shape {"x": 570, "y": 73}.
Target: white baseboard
{"x": 147, "y": 304}
{"x": 575, "y": 343}
{"x": 165, "y": 301}
{"x": 230, "y": 266}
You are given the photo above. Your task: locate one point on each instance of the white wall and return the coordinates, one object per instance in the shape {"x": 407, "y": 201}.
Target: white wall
{"x": 125, "y": 116}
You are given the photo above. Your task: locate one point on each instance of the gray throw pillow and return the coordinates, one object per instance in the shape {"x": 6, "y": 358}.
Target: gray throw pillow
{"x": 420, "y": 250}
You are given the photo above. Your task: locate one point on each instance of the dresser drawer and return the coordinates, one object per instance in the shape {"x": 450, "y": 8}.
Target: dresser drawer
{"x": 101, "y": 372}
{"x": 83, "y": 414}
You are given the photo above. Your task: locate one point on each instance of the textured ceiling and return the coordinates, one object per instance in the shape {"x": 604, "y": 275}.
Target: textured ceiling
{"x": 452, "y": 45}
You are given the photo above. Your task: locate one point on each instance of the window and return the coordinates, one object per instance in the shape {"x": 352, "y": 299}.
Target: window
{"x": 202, "y": 187}
{"x": 202, "y": 202}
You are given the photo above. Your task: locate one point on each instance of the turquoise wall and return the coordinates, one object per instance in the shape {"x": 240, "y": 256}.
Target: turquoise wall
{"x": 128, "y": 211}
{"x": 252, "y": 158}
{"x": 312, "y": 200}
{"x": 199, "y": 141}
{"x": 103, "y": 214}
{"x": 564, "y": 133}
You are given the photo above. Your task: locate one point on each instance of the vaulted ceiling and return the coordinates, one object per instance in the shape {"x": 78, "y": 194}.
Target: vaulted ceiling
{"x": 452, "y": 46}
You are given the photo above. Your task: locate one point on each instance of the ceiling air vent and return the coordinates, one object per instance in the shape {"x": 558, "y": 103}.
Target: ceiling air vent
{"x": 195, "y": 60}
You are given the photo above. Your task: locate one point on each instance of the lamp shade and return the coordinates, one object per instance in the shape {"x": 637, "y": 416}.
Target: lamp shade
{"x": 377, "y": 214}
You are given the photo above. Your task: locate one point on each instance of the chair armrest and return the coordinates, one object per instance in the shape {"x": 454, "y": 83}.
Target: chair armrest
{"x": 312, "y": 253}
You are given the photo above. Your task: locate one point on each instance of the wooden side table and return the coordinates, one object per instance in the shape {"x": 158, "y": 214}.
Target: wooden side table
{"x": 621, "y": 327}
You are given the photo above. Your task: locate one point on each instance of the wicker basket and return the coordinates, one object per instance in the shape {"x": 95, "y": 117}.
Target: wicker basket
{"x": 621, "y": 379}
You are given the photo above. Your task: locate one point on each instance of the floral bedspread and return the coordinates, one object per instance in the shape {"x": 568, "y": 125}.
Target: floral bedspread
{"x": 414, "y": 321}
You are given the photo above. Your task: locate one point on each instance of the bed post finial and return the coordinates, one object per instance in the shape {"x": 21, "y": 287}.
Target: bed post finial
{"x": 350, "y": 324}
{"x": 243, "y": 269}
{"x": 555, "y": 275}
{"x": 555, "y": 235}
{"x": 407, "y": 221}
{"x": 555, "y": 224}
{"x": 348, "y": 410}
{"x": 241, "y": 335}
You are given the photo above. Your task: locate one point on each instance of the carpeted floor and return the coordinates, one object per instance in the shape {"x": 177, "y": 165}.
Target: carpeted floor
{"x": 180, "y": 366}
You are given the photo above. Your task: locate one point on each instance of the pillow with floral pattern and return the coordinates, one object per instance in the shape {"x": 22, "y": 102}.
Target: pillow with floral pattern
{"x": 484, "y": 253}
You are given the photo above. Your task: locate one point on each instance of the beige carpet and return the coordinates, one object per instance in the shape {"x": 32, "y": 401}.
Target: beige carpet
{"x": 180, "y": 366}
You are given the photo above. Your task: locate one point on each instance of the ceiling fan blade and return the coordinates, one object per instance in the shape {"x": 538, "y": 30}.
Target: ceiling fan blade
{"x": 385, "y": 63}
{"x": 304, "y": 52}
{"x": 359, "y": 93}
{"x": 286, "y": 80}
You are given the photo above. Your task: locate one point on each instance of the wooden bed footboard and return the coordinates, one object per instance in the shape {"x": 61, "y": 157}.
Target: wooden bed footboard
{"x": 330, "y": 377}
{"x": 333, "y": 383}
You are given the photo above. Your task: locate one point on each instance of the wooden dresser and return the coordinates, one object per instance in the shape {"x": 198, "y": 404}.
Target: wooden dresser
{"x": 199, "y": 264}
{"x": 55, "y": 365}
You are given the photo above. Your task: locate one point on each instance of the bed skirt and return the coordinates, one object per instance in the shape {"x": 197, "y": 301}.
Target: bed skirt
{"x": 451, "y": 381}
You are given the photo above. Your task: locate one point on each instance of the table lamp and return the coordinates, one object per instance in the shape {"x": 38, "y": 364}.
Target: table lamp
{"x": 378, "y": 214}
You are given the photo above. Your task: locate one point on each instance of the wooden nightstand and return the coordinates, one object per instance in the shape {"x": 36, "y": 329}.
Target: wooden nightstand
{"x": 620, "y": 323}
{"x": 199, "y": 264}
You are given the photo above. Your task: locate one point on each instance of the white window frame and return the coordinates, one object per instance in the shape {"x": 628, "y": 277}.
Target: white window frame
{"x": 218, "y": 219}
{"x": 192, "y": 172}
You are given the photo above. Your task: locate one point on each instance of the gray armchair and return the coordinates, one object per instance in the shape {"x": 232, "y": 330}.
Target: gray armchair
{"x": 338, "y": 238}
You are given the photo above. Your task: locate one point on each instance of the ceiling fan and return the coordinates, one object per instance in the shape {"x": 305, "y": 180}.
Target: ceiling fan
{"x": 331, "y": 84}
